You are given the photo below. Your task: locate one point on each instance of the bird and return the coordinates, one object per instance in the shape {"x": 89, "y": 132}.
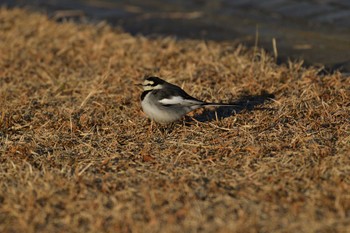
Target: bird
{"x": 166, "y": 103}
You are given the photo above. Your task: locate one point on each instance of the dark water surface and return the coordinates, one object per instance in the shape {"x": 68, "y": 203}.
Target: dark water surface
{"x": 317, "y": 31}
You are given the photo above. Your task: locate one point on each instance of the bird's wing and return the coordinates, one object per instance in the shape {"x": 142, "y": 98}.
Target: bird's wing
{"x": 179, "y": 100}
{"x": 174, "y": 95}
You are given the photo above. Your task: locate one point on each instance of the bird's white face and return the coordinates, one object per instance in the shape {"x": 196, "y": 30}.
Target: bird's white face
{"x": 149, "y": 85}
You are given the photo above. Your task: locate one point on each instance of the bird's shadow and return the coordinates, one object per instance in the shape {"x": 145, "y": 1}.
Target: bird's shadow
{"x": 244, "y": 103}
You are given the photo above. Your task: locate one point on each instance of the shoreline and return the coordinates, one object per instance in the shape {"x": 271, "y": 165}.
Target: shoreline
{"x": 319, "y": 37}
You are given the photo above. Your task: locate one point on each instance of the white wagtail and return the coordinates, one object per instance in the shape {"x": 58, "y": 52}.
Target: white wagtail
{"x": 164, "y": 102}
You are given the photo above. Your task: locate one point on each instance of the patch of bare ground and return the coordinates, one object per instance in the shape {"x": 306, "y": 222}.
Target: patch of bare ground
{"x": 77, "y": 154}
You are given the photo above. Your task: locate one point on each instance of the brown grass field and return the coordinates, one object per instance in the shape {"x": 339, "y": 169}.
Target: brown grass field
{"x": 78, "y": 155}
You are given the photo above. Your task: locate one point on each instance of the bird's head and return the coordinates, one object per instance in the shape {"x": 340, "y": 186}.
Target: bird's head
{"x": 152, "y": 83}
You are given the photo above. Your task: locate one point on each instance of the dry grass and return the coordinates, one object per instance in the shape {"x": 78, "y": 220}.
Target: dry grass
{"x": 77, "y": 155}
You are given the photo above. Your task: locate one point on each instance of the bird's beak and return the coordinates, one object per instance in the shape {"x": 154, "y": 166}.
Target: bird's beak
{"x": 138, "y": 85}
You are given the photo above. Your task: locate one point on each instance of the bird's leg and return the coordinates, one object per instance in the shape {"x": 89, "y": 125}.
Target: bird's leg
{"x": 161, "y": 129}
{"x": 165, "y": 129}
{"x": 150, "y": 128}
{"x": 170, "y": 128}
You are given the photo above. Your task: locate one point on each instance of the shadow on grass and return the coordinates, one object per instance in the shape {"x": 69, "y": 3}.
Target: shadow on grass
{"x": 244, "y": 103}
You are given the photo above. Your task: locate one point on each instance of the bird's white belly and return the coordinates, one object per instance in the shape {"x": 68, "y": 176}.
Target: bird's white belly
{"x": 158, "y": 114}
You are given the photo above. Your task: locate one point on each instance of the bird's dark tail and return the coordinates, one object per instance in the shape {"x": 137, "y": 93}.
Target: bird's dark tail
{"x": 219, "y": 104}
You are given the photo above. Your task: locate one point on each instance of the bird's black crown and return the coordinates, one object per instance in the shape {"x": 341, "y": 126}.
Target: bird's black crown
{"x": 154, "y": 81}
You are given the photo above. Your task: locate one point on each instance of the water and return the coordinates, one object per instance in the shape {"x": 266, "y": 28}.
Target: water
{"x": 317, "y": 31}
